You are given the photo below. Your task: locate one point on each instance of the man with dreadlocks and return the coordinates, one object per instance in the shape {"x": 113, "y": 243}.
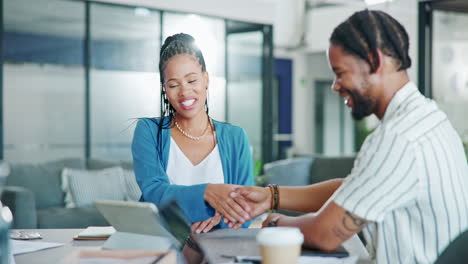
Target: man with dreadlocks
{"x": 408, "y": 189}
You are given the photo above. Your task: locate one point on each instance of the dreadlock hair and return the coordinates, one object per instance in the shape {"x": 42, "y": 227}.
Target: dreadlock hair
{"x": 368, "y": 30}
{"x": 177, "y": 44}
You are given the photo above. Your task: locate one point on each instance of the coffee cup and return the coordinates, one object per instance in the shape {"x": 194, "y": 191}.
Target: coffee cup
{"x": 280, "y": 245}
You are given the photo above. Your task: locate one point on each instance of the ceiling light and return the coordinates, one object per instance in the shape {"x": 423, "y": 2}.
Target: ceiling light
{"x": 141, "y": 11}
{"x": 374, "y": 2}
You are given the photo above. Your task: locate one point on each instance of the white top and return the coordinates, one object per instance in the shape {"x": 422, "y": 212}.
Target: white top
{"x": 181, "y": 171}
{"x": 410, "y": 179}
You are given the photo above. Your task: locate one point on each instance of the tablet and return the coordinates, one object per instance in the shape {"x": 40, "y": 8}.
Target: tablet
{"x": 135, "y": 217}
{"x": 145, "y": 218}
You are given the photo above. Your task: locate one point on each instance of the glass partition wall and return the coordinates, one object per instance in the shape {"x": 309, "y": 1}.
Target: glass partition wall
{"x": 43, "y": 69}
{"x": 443, "y": 68}
{"x": 249, "y": 73}
{"x": 244, "y": 99}
{"x": 124, "y": 79}
{"x": 450, "y": 67}
{"x": 77, "y": 75}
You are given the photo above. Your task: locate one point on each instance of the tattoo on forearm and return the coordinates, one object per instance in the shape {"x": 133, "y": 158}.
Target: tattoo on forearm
{"x": 339, "y": 233}
{"x": 353, "y": 223}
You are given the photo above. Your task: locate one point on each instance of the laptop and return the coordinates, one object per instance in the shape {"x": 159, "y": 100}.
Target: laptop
{"x": 140, "y": 225}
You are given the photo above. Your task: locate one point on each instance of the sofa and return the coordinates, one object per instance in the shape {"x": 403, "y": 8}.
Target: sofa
{"x": 299, "y": 171}
{"x": 35, "y": 193}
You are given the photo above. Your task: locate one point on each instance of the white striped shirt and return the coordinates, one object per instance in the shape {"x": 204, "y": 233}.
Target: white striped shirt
{"x": 410, "y": 179}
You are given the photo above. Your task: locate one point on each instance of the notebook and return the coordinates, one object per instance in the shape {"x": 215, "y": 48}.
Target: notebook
{"x": 95, "y": 233}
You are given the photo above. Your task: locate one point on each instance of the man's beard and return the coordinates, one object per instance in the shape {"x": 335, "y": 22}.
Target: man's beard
{"x": 363, "y": 105}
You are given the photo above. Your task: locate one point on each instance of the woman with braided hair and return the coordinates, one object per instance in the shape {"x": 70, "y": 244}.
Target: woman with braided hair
{"x": 185, "y": 155}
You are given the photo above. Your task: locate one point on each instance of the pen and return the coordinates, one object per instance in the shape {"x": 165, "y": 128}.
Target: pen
{"x": 329, "y": 255}
{"x": 160, "y": 257}
{"x": 253, "y": 261}
{"x": 242, "y": 259}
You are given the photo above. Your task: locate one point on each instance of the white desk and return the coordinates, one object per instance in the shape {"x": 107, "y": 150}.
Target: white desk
{"x": 242, "y": 242}
{"x": 214, "y": 244}
{"x": 55, "y": 255}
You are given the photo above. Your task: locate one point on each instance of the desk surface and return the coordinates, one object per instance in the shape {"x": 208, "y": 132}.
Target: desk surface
{"x": 215, "y": 244}
{"x": 56, "y": 255}
{"x": 228, "y": 242}
{"x": 242, "y": 242}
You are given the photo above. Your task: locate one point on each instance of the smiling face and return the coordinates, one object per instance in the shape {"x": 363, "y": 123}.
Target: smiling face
{"x": 352, "y": 82}
{"x": 186, "y": 85}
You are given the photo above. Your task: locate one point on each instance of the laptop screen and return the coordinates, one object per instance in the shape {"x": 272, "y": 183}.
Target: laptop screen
{"x": 175, "y": 221}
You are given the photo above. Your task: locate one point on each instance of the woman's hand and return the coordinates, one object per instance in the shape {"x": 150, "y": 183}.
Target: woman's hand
{"x": 258, "y": 198}
{"x": 218, "y": 196}
{"x": 206, "y": 225}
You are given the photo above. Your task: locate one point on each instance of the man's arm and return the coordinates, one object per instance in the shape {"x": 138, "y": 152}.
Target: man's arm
{"x": 307, "y": 198}
{"x": 326, "y": 230}
{"x": 303, "y": 199}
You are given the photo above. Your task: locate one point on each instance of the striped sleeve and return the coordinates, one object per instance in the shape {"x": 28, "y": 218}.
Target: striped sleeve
{"x": 385, "y": 178}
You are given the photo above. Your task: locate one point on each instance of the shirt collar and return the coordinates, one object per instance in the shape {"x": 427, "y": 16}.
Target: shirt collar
{"x": 398, "y": 99}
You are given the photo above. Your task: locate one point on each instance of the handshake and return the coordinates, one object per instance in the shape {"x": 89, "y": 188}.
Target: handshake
{"x": 236, "y": 204}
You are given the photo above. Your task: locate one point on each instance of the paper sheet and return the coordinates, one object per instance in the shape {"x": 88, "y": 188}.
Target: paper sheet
{"x": 355, "y": 247}
{"x": 327, "y": 260}
{"x": 20, "y": 246}
{"x": 145, "y": 260}
{"x": 120, "y": 257}
{"x": 318, "y": 260}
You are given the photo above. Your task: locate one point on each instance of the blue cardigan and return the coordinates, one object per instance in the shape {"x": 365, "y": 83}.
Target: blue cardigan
{"x": 150, "y": 167}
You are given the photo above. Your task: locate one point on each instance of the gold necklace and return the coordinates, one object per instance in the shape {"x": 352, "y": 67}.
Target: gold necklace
{"x": 187, "y": 134}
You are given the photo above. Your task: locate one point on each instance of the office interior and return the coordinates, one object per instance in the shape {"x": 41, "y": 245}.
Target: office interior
{"x": 76, "y": 75}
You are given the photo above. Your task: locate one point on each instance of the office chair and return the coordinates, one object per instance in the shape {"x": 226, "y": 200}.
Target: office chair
{"x": 456, "y": 252}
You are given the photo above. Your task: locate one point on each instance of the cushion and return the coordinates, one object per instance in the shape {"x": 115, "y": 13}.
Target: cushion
{"x": 132, "y": 190}
{"x": 83, "y": 187}
{"x": 43, "y": 179}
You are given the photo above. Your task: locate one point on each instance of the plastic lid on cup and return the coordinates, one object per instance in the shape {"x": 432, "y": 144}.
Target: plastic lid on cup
{"x": 280, "y": 236}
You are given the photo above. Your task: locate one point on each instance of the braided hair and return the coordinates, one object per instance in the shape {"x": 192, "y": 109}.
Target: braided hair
{"x": 175, "y": 45}
{"x": 368, "y": 30}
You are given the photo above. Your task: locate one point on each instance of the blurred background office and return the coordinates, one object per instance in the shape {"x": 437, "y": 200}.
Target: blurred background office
{"x": 76, "y": 74}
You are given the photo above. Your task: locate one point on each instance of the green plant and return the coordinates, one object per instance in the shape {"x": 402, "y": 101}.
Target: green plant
{"x": 465, "y": 146}
{"x": 361, "y": 133}
{"x": 258, "y": 164}
{"x": 259, "y": 178}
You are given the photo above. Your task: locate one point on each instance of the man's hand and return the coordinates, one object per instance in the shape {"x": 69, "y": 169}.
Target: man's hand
{"x": 206, "y": 225}
{"x": 233, "y": 210}
{"x": 272, "y": 220}
{"x": 258, "y": 198}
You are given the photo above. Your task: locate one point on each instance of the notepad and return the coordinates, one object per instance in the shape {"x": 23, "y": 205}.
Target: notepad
{"x": 121, "y": 257}
{"x": 21, "y": 247}
{"x": 95, "y": 233}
